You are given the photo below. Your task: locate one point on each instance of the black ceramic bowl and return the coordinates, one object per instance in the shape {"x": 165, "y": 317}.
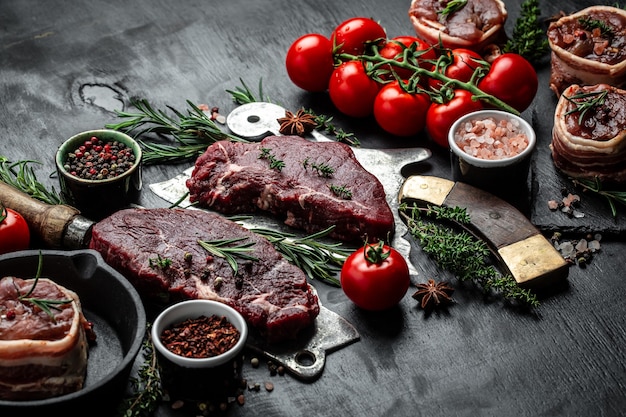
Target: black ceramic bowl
{"x": 111, "y": 303}
{"x": 97, "y": 198}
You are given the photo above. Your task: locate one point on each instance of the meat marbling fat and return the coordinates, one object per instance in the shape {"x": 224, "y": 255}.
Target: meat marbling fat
{"x": 234, "y": 177}
{"x": 158, "y": 251}
{"x": 40, "y": 356}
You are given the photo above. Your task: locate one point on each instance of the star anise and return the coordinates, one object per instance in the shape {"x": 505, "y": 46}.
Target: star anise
{"x": 299, "y": 124}
{"x": 433, "y": 293}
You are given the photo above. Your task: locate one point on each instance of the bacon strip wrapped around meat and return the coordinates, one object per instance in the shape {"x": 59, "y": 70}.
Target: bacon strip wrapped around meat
{"x": 589, "y": 134}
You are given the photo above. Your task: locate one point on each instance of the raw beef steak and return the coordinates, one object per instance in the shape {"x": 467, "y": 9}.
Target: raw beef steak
{"x": 320, "y": 185}
{"x": 158, "y": 251}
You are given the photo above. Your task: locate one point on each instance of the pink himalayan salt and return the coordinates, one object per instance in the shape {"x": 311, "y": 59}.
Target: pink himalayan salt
{"x": 491, "y": 139}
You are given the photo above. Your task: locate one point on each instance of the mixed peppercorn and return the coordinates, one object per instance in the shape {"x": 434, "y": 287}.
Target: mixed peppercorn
{"x": 96, "y": 159}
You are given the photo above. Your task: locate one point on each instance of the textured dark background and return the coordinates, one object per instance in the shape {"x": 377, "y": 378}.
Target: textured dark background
{"x": 64, "y": 65}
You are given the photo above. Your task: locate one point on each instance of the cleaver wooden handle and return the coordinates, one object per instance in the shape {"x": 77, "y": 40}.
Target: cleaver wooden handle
{"x": 49, "y": 223}
{"x": 521, "y": 248}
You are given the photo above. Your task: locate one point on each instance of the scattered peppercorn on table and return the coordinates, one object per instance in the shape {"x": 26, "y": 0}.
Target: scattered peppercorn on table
{"x": 67, "y": 68}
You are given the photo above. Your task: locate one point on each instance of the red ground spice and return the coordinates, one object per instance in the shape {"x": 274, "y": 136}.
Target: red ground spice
{"x": 202, "y": 337}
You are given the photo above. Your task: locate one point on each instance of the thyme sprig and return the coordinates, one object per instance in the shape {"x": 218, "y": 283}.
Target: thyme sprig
{"x": 451, "y": 7}
{"x": 275, "y": 163}
{"x": 322, "y": 169}
{"x": 341, "y": 191}
{"x": 45, "y": 304}
{"x": 146, "y": 386}
{"x": 21, "y": 175}
{"x": 584, "y": 102}
{"x": 229, "y": 249}
{"x": 611, "y": 196}
{"x": 318, "y": 259}
{"x": 529, "y": 37}
{"x": 460, "y": 253}
{"x": 190, "y": 132}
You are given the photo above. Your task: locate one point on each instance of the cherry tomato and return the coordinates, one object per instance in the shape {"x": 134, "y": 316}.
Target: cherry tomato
{"x": 463, "y": 63}
{"x": 512, "y": 79}
{"x": 310, "y": 63}
{"x": 375, "y": 277}
{"x": 353, "y": 35}
{"x": 399, "y": 112}
{"x": 394, "y": 49}
{"x": 351, "y": 90}
{"x": 441, "y": 116}
{"x": 14, "y": 232}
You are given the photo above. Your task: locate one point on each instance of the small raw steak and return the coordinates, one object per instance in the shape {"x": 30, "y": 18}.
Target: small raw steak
{"x": 158, "y": 251}
{"x": 313, "y": 185}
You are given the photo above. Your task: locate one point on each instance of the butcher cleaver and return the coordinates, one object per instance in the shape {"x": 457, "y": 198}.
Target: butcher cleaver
{"x": 519, "y": 246}
{"x": 256, "y": 120}
{"x": 63, "y": 227}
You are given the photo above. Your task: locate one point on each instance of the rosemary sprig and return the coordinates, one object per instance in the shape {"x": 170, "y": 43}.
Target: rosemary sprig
{"x": 45, "y": 304}
{"x": 21, "y": 175}
{"x": 451, "y": 7}
{"x": 461, "y": 253}
{"x": 277, "y": 164}
{"x": 317, "y": 259}
{"x": 222, "y": 249}
{"x": 191, "y": 131}
{"x": 146, "y": 387}
{"x": 590, "y": 24}
{"x": 612, "y": 196}
{"x": 243, "y": 94}
{"x": 341, "y": 191}
{"x": 584, "y": 102}
{"x": 529, "y": 37}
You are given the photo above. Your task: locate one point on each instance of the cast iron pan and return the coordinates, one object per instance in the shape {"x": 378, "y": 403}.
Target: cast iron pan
{"x": 112, "y": 304}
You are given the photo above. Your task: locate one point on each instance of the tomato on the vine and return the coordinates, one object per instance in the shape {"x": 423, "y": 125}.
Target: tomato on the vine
{"x": 375, "y": 277}
{"x": 441, "y": 116}
{"x": 353, "y": 35}
{"x": 14, "y": 232}
{"x": 351, "y": 90}
{"x": 463, "y": 63}
{"x": 394, "y": 49}
{"x": 309, "y": 62}
{"x": 512, "y": 79}
{"x": 399, "y": 112}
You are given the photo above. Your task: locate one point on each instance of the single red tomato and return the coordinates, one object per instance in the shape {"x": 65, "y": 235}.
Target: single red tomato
{"x": 14, "y": 232}
{"x": 463, "y": 63}
{"x": 419, "y": 50}
{"x": 399, "y": 112}
{"x": 353, "y": 35}
{"x": 512, "y": 79}
{"x": 441, "y": 116}
{"x": 375, "y": 277}
{"x": 309, "y": 62}
{"x": 351, "y": 90}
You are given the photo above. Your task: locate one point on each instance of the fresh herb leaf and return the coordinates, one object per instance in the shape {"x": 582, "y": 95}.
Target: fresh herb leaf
{"x": 461, "y": 253}
{"x": 529, "y": 37}
{"x": 277, "y": 164}
{"x": 21, "y": 175}
{"x": 341, "y": 191}
{"x": 222, "y": 249}
{"x": 596, "y": 186}
{"x": 590, "y": 24}
{"x": 190, "y": 132}
{"x": 584, "y": 102}
{"x": 451, "y": 7}
{"x": 243, "y": 94}
{"x": 160, "y": 263}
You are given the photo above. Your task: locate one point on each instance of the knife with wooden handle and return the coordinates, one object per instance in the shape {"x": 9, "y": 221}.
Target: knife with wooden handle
{"x": 520, "y": 247}
{"x": 56, "y": 226}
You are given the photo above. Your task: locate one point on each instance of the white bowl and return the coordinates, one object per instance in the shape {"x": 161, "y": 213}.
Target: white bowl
{"x": 497, "y": 115}
{"x": 190, "y": 310}
{"x": 506, "y": 177}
